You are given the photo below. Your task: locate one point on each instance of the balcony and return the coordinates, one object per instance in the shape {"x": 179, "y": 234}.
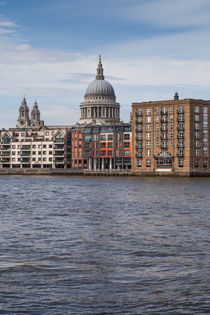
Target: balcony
{"x": 139, "y": 128}
{"x": 5, "y": 148}
{"x": 59, "y": 147}
{"x": 180, "y": 136}
{"x": 180, "y": 128}
{"x": 180, "y": 119}
{"x": 139, "y": 146}
{"x": 180, "y": 111}
{"x": 139, "y": 120}
{"x": 5, "y": 153}
{"x": 180, "y": 145}
{"x": 60, "y": 155}
{"x": 26, "y": 153}
{"x": 164, "y": 111}
{"x": 139, "y": 114}
{"x": 164, "y": 138}
{"x": 26, "y": 148}
{"x": 180, "y": 155}
{"x": 164, "y": 128}
{"x": 139, "y": 154}
{"x": 25, "y": 160}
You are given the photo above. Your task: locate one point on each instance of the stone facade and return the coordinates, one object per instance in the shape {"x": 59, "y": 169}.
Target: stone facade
{"x": 99, "y": 105}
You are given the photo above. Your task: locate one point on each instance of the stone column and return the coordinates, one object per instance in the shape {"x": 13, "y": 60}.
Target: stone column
{"x": 110, "y": 164}
{"x": 90, "y": 164}
{"x": 98, "y": 112}
{"x": 94, "y": 161}
{"x": 102, "y": 166}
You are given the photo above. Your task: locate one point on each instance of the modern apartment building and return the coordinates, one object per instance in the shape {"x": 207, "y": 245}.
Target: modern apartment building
{"x": 33, "y": 145}
{"x": 102, "y": 147}
{"x": 171, "y": 137}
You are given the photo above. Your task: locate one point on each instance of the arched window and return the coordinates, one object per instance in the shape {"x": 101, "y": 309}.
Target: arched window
{"x": 6, "y": 139}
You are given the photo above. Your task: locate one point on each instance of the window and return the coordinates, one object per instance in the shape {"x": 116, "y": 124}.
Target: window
{"x": 196, "y": 109}
{"x": 197, "y": 143}
{"x": 110, "y": 137}
{"x": 44, "y": 146}
{"x": 139, "y": 163}
{"x": 157, "y": 118}
{"x": 171, "y": 110}
{"x": 47, "y": 133}
{"x": 148, "y": 163}
{"x": 33, "y": 152}
{"x": 139, "y": 111}
{"x": 171, "y": 126}
{"x": 157, "y": 143}
{"x": 181, "y": 163}
{"x": 6, "y": 139}
{"x": 196, "y": 163}
{"x": 126, "y": 136}
{"x": 126, "y": 144}
{"x": 196, "y": 152}
{"x": 39, "y": 152}
{"x": 171, "y": 134}
{"x": 205, "y": 110}
{"x": 13, "y": 159}
{"x": 157, "y": 110}
{"x": 157, "y": 127}
{"x": 157, "y": 135}
{"x": 148, "y": 135}
{"x": 110, "y": 153}
{"x": 50, "y": 159}
{"x": 110, "y": 144}
{"x": 103, "y": 137}
{"x": 171, "y": 143}
{"x": 171, "y": 117}
{"x": 148, "y": 144}
{"x": 148, "y": 119}
{"x": 196, "y": 126}
{"x": 44, "y": 159}
{"x": 13, "y": 152}
{"x": 204, "y": 163}
{"x": 148, "y": 111}
{"x": 127, "y": 152}
{"x": 164, "y": 126}
{"x": 33, "y": 159}
{"x": 44, "y": 152}
{"x": 196, "y": 117}
{"x": 103, "y": 145}
{"x": 148, "y": 127}
{"x": 13, "y": 146}
{"x": 196, "y": 134}
{"x": 148, "y": 153}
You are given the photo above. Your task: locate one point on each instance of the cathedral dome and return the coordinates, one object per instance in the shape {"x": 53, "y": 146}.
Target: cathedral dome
{"x": 100, "y": 88}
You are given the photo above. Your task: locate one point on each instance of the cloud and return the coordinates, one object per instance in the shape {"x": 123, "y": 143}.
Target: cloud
{"x": 169, "y": 13}
{"x": 142, "y": 69}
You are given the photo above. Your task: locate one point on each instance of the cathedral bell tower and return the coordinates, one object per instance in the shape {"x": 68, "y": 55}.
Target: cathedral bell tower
{"x": 35, "y": 115}
{"x": 23, "y": 118}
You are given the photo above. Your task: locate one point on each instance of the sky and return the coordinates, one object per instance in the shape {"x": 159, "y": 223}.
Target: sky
{"x": 150, "y": 49}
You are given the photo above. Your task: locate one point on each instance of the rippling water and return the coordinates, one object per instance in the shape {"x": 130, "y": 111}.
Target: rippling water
{"x": 78, "y": 245}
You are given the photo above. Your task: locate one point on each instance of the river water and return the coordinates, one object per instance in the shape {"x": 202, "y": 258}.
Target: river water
{"x": 91, "y": 245}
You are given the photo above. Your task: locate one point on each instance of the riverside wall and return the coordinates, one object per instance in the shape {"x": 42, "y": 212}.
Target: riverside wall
{"x": 73, "y": 172}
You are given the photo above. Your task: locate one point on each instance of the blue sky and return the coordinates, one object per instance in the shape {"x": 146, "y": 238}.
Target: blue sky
{"x": 150, "y": 49}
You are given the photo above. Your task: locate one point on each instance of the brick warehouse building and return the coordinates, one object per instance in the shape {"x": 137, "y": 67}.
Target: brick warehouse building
{"x": 171, "y": 137}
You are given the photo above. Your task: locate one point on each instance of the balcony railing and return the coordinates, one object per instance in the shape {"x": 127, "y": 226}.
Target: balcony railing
{"x": 139, "y": 154}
